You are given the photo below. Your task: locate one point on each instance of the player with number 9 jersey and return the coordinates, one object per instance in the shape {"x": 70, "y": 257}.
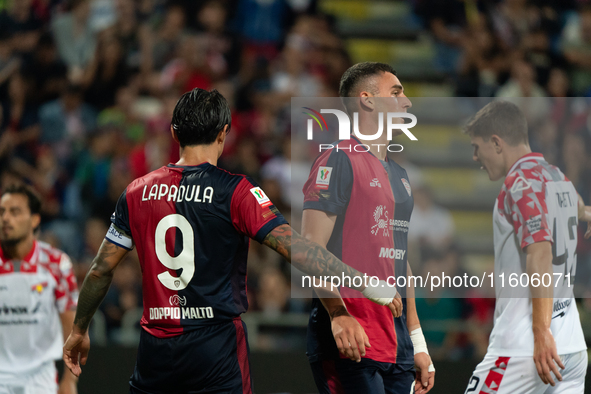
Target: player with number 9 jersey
{"x": 191, "y": 223}
{"x": 191, "y": 226}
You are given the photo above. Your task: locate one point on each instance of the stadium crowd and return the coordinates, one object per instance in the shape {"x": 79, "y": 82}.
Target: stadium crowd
{"x": 87, "y": 89}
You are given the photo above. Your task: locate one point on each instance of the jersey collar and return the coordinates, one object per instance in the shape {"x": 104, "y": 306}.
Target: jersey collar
{"x": 189, "y": 166}
{"x": 31, "y": 259}
{"x": 529, "y": 156}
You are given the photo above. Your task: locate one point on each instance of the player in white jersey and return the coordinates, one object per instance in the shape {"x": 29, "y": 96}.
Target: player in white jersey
{"x": 38, "y": 296}
{"x": 537, "y": 328}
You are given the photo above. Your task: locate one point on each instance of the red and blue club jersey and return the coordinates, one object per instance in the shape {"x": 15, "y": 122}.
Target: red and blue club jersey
{"x": 373, "y": 202}
{"x": 192, "y": 226}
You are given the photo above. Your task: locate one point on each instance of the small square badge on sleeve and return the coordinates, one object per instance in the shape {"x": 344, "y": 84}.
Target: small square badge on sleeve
{"x": 323, "y": 177}
{"x": 261, "y": 197}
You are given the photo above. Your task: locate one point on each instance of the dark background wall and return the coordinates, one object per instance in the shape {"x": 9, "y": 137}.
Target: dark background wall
{"x": 108, "y": 370}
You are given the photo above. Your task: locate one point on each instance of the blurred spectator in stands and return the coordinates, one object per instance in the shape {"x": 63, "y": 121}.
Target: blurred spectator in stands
{"x": 222, "y": 48}
{"x": 479, "y": 322}
{"x": 273, "y": 292}
{"x": 262, "y": 118}
{"x": 46, "y": 72}
{"x": 522, "y": 83}
{"x": 514, "y": 19}
{"x": 576, "y": 47}
{"x": 106, "y": 72}
{"x": 22, "y": 130}
{"x": 189, "y": 69}
{"x": 123, "y": 116}
{"x": 559, "y": 84}
{"x": 24, "y": 25}
{"x": 440, "y": 312}
{"x": 431, "y": 225}
{"x": 483, "y": 62}
{"x": 246, "y": 160}
{"x": 575, "y": 159}
{"x": 278, "y": 169}
{"x": 523, "y": 91}
{"x": 544, "y": 139}
{"x": 447, "y": 21}
{"x": 75, "y": 38}
{"x": 132, "y": 34}
{"x": 227, "y": 89}
{"x": 163, "y": 44}
{"x": 290, "y": 76}
{"x": 537, "y": 52}
{"x": 124, "y": 295}
{"x": 159, "y": 149}
{"x": 323, "y": 51}
{"x": 51, "y": 181}
{"x": 65, "y": 123}
{"x": 9, "y": 177}
{"x": 9, "y": 66}
{"x": 261, "y": 25}
{"x": 95, "y": 229}
{"x": 47, "y": 177}
{"x": 94, "y": 168}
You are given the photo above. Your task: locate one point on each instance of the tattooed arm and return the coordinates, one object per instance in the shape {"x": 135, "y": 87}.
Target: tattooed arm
{"x": 95, "y": 287}
{"x": 306, "y": 255}
{"x": 315, "y": 260}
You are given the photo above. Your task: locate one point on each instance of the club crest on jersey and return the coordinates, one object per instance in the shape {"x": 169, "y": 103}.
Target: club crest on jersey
{"x": 177, "y": 300}
{"x": 520, "y": 184}
{"x": 380, "y": 215}
{"x": 39, "y": 287}
{"x": 375, "y": 183}
{"x": 261, "y": 197}
{"x": 406, "y": 185}
{"x": 323, "y": 177}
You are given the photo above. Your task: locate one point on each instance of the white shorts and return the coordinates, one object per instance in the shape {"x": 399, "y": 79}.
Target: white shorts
{"x": 42, "y": 381}
{"x": 518, "y": 375}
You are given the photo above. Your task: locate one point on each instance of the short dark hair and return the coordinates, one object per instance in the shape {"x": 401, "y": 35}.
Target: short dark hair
{"x": 199, "y": 116}
{"x": 501, "y": 118}
{"x": 32, "y": 196}
{"x": 359, "y": 73}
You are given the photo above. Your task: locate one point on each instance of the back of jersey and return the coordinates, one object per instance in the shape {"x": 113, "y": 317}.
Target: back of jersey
{"x": 537, "y": 203}
{"x": 562, "y": 202}
{"x": 191, "y": 226}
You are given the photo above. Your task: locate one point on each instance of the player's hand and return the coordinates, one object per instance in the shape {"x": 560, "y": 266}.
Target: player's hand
{"x": 76, "y": 351}
{"x": 425, "y": 379}
{"x": 349, "y": 336}
{"x": 588, "y": 233}
{"x": 546, "y": 357}
{"x": 396, "y": 306}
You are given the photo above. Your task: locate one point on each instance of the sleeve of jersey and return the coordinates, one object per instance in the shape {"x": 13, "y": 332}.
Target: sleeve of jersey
{"x": 328, "y": 187}
{"x": 526, "y": 205}
{"x": 253, "y": 213}
{"x": 120, "y": 231}
{"x": 66, "y": 292}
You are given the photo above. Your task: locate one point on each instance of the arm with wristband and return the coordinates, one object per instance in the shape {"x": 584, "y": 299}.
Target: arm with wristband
{"x": 425, "y": 370}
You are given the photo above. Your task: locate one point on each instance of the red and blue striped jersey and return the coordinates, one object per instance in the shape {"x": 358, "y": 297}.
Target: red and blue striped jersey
{"x": 192, "y": 226}
{"x": 373, "y": 202}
